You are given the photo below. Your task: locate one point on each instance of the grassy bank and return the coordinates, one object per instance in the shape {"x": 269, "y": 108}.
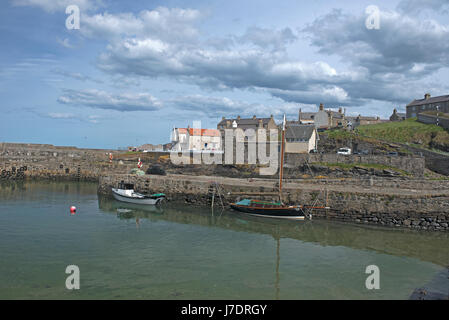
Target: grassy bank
{"x": 410, "y": 132}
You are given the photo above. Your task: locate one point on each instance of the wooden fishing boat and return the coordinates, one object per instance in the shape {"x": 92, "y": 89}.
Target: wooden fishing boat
{"x": 125, "y": 192}
{"x": 269, "y": 209}
{"x": 273, "y": 209}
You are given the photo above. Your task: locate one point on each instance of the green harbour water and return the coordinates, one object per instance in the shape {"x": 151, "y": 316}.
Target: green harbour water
{"x": 181, "y": 252}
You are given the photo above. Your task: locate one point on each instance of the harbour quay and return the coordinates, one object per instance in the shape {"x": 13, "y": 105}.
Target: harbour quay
{"x": 420, "y": 204}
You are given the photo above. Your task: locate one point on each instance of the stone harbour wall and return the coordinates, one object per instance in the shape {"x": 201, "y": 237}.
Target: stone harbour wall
{"x": 426, "y": 210}
{"x": 41, "y": 161}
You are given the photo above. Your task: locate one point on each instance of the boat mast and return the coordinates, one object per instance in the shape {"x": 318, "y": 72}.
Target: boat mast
{"x": 281, "y": 170}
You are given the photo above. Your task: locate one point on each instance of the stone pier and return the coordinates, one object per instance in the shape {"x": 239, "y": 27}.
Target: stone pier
{"x": 389, "y": 205}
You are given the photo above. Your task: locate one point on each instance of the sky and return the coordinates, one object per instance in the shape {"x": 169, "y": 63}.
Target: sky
{"x": 136, "y": 69}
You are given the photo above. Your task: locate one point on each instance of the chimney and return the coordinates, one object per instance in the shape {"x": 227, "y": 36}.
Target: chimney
{"x": 238, "y": 117}
{"x": 299, "y": 115}
{"x": 254, "y": 117}
{"x": 260, "y": 123}
{"x": 321, "y": 107}
{"x": 340, "y": 110}
{"x": 395, "y": 111}
{"x": 427, "y": 96}
{"x": 228, "y": 124}
{"x": 222, "y": 118}
{"x": 271, "y": 116}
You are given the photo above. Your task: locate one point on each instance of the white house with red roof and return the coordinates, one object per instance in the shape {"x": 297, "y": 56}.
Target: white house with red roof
{"x": 191, "y": 139}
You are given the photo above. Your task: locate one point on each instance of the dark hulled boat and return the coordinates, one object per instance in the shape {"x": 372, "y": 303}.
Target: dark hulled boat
{"x": 269, "y": 209}
{"x": 274, "y": 209}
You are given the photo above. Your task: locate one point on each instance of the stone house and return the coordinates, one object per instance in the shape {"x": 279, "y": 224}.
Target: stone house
{"x": 322, "y": 119}
{"x": 440, "y": 103}
{"x": 251, "y": 123}
{"x": 397, "y": 116}
{"x": 300, "y": 138}
{"x": 363, "y": 120}
{"x": 240, "y": 125}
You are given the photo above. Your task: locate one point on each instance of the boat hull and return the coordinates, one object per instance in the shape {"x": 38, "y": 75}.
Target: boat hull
{"x": 151, "y": 201}
{"x": 293, "y": 213}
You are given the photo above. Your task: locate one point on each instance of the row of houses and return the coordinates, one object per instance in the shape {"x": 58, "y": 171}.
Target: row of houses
{"x": 301, "y": 134}
{"x": 299, "y": 138}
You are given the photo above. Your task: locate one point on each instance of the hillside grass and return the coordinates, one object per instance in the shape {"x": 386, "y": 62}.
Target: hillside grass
{"x": 409, "y": 131}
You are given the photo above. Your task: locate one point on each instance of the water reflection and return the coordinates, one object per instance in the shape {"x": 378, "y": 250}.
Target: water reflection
{"x": 426, "y": 246}
{"x": 182, "y": 252}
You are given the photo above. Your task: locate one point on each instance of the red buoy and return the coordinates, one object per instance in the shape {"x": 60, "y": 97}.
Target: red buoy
{"x": 72, "y": 210}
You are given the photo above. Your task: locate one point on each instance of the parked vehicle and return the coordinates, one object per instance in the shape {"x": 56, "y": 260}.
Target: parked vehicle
{"x": 344, "y": 151}
{"x": 313, "y": 151}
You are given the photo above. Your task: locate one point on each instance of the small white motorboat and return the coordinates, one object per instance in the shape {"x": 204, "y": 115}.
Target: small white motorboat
{"x": 125, "y": 192}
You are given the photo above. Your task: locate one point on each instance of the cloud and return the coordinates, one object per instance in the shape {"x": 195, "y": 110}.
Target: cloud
{"x": 216, "y": 107}
{"x": 57, "y": 115}
{"x": 65, "y": 43}
{"x": 174, "y": 24}
{"x": 213, "y": 68}
{"x": 413, "y": 7}
{"x": 59, "y": 5}
{"x": 268, "y": 38}
{"x": 103, "y": 100}
{"x": 67, "y": 116}
{"x": 74, "y": 75}
{"x": 395, "y": 60}
{"x": 397, "y": 47}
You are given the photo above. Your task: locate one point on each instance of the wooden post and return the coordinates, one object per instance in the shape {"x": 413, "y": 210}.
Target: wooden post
{"x": 281, "y": 170}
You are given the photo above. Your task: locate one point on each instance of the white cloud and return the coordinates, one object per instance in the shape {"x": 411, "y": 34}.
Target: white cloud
{"x": 103, "y": 100}
{"x": 173, "y": 24}
{"x": 58, "y": 115}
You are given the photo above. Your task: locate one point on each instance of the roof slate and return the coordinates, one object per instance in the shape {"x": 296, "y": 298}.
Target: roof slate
{"x": 427, "y": 101}
{"x": 302, "y": 132}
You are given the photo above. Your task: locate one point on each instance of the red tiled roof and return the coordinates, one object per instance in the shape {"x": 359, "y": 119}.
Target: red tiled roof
{"x": 201, "y": 132}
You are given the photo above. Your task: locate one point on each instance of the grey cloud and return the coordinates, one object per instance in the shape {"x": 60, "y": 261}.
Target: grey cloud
{"x": 223, "y": 106}
{"x": 268, "y": 38}
{"x": 412, "y": 7}
{"x": 401, "y": 45}
{"x": 104, "y": 100}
